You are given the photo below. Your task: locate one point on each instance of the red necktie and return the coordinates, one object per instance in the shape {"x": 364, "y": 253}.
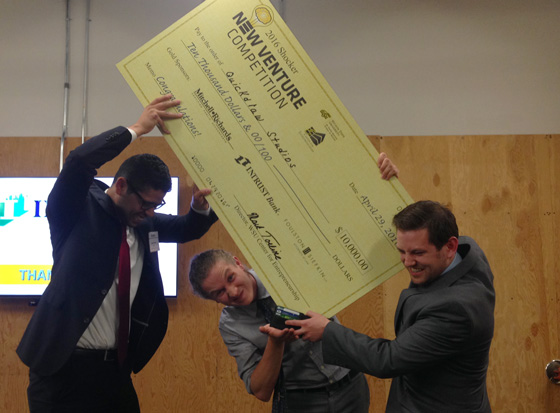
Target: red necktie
{"x": 123, "y": 292}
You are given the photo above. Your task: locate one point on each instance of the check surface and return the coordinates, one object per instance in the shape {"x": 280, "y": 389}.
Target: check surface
{"x": 294, "y": 179}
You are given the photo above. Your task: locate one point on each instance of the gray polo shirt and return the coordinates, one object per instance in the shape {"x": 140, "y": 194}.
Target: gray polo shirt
{"x": 302, "y": 364}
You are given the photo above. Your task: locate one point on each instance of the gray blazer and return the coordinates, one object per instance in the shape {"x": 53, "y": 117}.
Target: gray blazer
{"x": 439, "y": 358}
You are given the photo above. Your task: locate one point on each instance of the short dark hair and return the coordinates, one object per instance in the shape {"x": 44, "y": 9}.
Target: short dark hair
{"x": 436, "y": 218}
{"x": 145, "y": 171}
{"x": 201, "y": 265}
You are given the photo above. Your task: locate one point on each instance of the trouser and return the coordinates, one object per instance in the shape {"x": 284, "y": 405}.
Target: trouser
{"x": 90, "y": 382}
{"x": 349, "y": 395}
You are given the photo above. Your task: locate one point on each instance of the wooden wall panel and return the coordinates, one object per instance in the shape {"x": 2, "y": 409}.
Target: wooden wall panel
{"x": 504, "y": 192}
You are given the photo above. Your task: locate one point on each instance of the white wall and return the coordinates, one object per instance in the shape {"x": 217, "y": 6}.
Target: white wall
{"x": 402, "y": 67}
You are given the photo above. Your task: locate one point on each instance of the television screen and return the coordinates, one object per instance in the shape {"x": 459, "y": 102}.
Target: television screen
{"x": 25, "y": 241}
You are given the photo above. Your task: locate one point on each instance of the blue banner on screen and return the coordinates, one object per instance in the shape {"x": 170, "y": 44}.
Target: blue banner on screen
{"x": 25, "y": 241}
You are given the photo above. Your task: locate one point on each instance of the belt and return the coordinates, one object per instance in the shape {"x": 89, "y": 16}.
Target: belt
{"x": 101, "y": 355}
{"x": 329, "y": 387}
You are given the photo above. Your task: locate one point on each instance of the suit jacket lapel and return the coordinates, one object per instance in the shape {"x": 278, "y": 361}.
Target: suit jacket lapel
{"x": 444, "y": 281}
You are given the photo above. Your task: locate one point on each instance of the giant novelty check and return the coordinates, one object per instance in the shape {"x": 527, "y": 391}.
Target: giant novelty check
{"x": 294, "y": 179}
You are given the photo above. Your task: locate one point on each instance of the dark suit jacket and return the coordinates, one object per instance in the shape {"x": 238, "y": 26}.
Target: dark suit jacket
{"x": 439, "y": 358}
{"x": 85, "y": 235}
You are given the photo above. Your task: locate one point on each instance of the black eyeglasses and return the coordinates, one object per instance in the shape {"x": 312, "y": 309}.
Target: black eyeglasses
{"x": 146, "y": 205}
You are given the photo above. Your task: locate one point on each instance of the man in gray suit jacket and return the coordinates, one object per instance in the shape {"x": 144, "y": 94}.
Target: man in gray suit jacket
{"x": 444, "y": 321}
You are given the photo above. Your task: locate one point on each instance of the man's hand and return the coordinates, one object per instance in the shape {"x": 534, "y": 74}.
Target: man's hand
{"x": 286, "y": 335}
{"x": 386, "y": 166}
{"x": 312, "y": 328}
{"x": 154, "y": 114}
{"x": 199, "y": 201}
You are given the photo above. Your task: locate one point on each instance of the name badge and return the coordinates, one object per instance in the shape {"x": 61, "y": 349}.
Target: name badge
{"x": 153, "y": 240}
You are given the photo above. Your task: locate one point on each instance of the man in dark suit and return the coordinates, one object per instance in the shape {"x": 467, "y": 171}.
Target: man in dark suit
{"x": 104, "y": 314}
{"x": 444, "y": 321}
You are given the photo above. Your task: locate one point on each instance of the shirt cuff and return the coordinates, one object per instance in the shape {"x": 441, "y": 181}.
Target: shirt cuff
{"x": 205, "y": 212}
{"x": 134, "y": 136}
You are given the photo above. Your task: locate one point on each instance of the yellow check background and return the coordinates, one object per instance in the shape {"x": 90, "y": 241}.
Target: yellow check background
{"x": 294, "y": 179}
